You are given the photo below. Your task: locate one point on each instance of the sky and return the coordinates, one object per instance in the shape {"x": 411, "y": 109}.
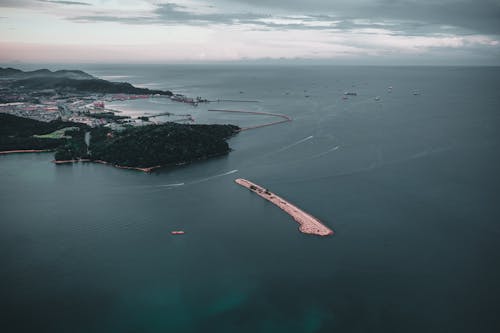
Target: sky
{"x": 379, "y": 32}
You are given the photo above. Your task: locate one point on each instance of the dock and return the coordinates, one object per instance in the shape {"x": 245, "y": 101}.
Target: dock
{"x": 308, "y": 224}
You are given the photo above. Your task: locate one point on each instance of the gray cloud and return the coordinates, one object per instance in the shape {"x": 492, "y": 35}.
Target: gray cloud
{"x": 480, "y": 16}
{"x": 16, "y": 3}
{"x": 411, "y": 17}
{"x": 171, "y": 14}
{"x": 78, "y": 3}
{"x": 37, "y": 3}
{"x": 418, "y": 29}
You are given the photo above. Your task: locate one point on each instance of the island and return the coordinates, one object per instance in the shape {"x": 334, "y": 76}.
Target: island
{"x": 308, "y": 224}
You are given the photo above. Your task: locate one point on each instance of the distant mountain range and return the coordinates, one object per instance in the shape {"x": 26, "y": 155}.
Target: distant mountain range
{"x": 13, "y": 73}
{"x": 69, "y": 81}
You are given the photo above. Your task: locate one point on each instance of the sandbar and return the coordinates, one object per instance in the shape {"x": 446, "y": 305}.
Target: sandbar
{"x": 308, "y": 224}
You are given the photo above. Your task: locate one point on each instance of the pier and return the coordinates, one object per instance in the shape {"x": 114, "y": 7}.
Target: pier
{"x": 308, "y": 224}
{"x": 284, "y": 117}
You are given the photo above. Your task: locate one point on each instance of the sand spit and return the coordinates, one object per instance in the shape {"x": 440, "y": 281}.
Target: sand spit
{"x": 308, "y": 224}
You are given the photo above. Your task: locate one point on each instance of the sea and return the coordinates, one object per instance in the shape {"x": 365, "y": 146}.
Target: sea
{"x": 406, "y": 173}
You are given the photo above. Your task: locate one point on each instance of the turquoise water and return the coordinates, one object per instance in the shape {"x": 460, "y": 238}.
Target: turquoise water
{"x": 408, "y": 183}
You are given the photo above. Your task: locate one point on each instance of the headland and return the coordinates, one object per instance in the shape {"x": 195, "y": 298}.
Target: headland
{"x": 64, "y": 111}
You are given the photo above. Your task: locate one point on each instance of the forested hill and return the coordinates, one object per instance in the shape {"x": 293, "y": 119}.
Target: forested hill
{"x": 13, "y": 73}
{"x": 69, "y": 81}
{"x": 18, "y": 133}
{"x": 165, "y": 144}
{"x": 138, "y": 147}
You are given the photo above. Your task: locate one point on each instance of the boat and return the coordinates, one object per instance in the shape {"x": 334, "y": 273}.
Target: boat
{"x": 177, "y": 232}
{"x": 377, "y": 98}
{"x": 350, "y": 93}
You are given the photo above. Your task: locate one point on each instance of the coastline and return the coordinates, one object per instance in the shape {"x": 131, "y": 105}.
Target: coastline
{"x": 308, "y": 224}
{"x": 21, "y": 151}
{"x": 143, "y": 169}
{"x": 147, "y": 170}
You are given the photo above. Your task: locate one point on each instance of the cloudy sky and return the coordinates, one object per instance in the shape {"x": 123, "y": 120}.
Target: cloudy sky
{"x": 336, "y": 31}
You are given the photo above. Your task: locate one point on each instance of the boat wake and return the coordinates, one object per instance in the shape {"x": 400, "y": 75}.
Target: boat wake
{"x": 326, "y": 152}
{"x": 294, "y": 144}
{"x": 375, "y": 165}
{"x": 171, "y": 185}
{"x": 213, "y": 177}
{"x": 426, "y": 153}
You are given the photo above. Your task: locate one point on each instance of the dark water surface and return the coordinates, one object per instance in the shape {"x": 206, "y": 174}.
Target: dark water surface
{"x": 409, "y": 183}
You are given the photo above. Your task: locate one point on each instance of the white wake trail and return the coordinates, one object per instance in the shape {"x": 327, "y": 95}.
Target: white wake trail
{"x": 326, "y": 152}
{"x": 295, "y": 143}
{"x": 171, "y": 185}
{"x": 213, "y": 177}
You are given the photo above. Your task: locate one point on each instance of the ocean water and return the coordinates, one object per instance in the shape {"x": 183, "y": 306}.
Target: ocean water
{"x": 409, "y": 183}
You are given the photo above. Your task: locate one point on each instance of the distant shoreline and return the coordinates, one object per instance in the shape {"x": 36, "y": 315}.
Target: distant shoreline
{"x": 145, "y": 169}
{"x": 20, "y": 151}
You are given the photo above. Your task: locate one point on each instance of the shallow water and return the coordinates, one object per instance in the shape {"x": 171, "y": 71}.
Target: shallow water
{"x": 408, "y": 183}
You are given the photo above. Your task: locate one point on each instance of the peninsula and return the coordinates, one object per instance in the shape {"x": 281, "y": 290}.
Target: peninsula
{"x": 308, "y": 224}
{"x": 142, "y": 148}
{"x": 66, "y": 82}
{"x": 154, "y": 146}
{"x": 65, "y": 111}
{"x": 72, "y": 95}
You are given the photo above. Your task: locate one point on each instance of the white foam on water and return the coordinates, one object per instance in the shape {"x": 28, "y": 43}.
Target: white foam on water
{"x": 213, "y": 177}
{"x": 294, "y": 144}
{"x": 171, "y": 185}
{"x": 326, "y": 152}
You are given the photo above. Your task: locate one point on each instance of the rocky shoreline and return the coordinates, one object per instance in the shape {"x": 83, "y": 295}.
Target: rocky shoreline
{"x": 143, "y": 169}
{"x": 19, "y": 151}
